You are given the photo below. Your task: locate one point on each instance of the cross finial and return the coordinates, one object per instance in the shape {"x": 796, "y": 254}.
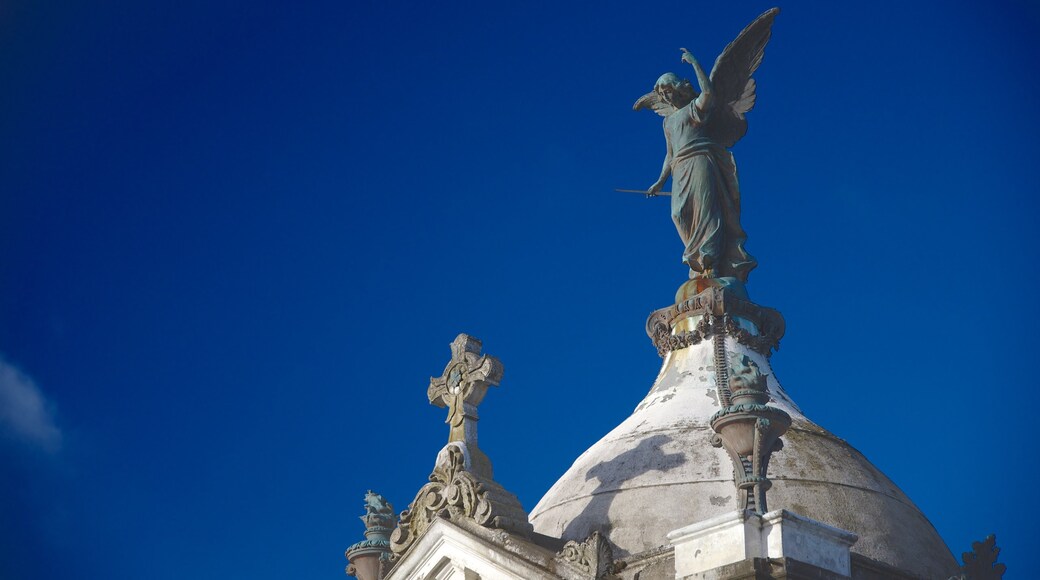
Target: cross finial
{"x": 461, "y": 387}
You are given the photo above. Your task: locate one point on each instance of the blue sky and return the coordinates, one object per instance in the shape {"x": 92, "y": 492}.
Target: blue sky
{"x": 236, "y": 240}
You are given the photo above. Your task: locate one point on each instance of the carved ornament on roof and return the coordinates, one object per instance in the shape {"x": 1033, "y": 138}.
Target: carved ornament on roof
{"x": 461, "y": 388}
{"x": 456, "y": 493}
{"x": 748, "y": 428}
{"x": 593, "y": 557}
{"x": 462, "y": 485}
{"x": 981, "y": 562}
{"x": 379, "y": 521}
{"x": 719, "y": 309}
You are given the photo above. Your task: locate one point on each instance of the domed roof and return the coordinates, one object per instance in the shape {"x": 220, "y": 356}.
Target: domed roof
{"x": 657, "y": 471}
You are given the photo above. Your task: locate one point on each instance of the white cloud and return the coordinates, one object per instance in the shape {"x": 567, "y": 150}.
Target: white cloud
{"x": 24, "y": 412}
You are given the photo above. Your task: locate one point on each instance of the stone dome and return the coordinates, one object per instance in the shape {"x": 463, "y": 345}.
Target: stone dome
{"x": 657, "y": 471}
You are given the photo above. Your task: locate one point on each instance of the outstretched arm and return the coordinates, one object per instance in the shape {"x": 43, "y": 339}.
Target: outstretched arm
{"x": 666, "y": 169}
{"x": 704, "y": 100}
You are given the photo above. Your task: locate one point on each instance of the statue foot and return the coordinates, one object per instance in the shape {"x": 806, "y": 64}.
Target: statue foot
{"x": 699, "y": 284}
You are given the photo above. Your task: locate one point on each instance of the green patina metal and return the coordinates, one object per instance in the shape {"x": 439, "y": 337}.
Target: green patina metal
{"x": 751, "y": 408}
{"x": 380, "y": 521}
{"x": 373, "y": 543}
{"x": 746, "y": 426}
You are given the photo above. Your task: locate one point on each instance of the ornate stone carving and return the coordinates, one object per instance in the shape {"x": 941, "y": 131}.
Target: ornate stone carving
{"x": 718, "y": 308}
{"x": 981, "y": 562}
{"x": 461, "y": 486}
{"x": 594, "y": 556}
{"x": 745, "y": 426}
{"x": 453, "y": 493}
{"x": 367, "y": 558}
{"x": 748, "y": 428}
{"x": 460, "y": 388}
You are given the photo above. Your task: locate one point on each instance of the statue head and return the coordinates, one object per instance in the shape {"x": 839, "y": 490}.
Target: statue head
{"x": 679, "y": 92}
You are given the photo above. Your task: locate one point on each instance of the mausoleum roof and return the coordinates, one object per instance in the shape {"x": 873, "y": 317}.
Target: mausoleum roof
{"x": 657, "y": 471}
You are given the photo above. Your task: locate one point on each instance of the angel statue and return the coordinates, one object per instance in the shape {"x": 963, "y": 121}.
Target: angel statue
{"x": 698, "y": 127}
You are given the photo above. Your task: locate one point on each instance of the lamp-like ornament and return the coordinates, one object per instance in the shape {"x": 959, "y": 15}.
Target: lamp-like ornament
{"x": 749, "y": 429}
{"x": 367, "y": 557}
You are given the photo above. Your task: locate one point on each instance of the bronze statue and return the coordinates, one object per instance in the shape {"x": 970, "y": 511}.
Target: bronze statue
{"x": 698, "y": 127}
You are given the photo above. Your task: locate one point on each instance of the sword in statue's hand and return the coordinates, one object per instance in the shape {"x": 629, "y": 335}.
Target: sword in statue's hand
{"x": 644, "y": 192}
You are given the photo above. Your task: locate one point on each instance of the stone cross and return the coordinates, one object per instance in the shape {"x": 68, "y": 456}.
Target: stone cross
{"x": 460, "y": 388}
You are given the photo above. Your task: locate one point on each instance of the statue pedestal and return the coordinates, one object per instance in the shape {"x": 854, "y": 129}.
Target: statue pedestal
{"x": 744, "y": 535}
{"x": 695, "y": 286}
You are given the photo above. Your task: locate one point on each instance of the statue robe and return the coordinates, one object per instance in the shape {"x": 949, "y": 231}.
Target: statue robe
{"x": 705, "y": 197}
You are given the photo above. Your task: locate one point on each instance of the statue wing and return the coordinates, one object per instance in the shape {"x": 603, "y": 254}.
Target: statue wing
{"x": 731, "y": 79}
{"x": 654, "y": 101}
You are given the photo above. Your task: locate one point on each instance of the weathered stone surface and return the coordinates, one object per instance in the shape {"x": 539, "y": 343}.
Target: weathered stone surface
{"x": 461, "y": 549}
{"x": 594, "y": 557}
{"x": 457, "y": 493}
{"x": 461, "y": 388}
{"x": 456, "y": 550}
{"x": 742, "y": 535}
{"x": 657, "y": 472}
{"x": 462, "y": 486}
{"x": 649, "y": 565}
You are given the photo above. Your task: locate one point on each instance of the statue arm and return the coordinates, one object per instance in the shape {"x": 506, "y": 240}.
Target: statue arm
{"x": 666, "y": 169}
{"x": 704, "y": 100}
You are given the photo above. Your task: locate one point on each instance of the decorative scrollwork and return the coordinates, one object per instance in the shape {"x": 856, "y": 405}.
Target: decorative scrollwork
{"x": 456, "y": 493}
{"x": 594, "y": 556}
{"x": 716, "y": 440}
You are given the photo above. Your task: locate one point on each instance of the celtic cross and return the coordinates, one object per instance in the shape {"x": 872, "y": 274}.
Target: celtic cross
{"x": 460, "y": 388}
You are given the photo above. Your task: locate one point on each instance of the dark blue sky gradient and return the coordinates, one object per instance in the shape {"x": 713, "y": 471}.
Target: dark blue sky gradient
{"x": 237, "y": 238}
